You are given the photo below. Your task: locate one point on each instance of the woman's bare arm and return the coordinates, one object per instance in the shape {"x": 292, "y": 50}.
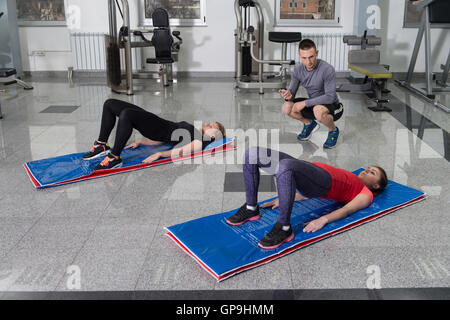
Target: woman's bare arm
{"x": 149, "y": 142}
{"x": 194, "y": 146}
{"x": 361, "y": 201}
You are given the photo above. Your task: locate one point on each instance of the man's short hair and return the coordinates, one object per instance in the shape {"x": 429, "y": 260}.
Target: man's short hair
{"x": 307, "y": 44}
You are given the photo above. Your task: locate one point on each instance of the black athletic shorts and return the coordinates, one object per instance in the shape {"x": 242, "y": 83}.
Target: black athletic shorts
{"x": 336, "y": 109}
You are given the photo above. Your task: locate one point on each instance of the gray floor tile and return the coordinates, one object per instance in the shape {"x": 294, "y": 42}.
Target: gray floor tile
{"x": 122, "y": 233}
{"x": 377, "y": 233}
{"x": 58, "y": 233}
{"x": 76, "y": 202}
{"x": 177, "y": 272}
{"x": 107, "y": 269}
{"x": 33, "y": 204}
{"x": 152, "y": 203}
{"x": 327, "y": 267}
{"x": 178, "y": 211}
{"x": 31, "y": 269}
{"x": 409, "y": 267}
{"x": 274, "y": 275}
{"x": 11, "y": 231}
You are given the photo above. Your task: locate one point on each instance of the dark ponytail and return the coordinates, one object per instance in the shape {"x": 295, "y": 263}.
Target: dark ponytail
{"x": 382, "y": 182}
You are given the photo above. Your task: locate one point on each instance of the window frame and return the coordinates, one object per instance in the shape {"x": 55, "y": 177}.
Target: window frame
{"x": 336, "y": 22}
{"x": 148, "y": 22}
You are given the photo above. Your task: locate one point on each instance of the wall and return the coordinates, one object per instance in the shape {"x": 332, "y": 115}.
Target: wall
{"x": 48, "y": 48}
{"x": 211, "y": 48}
{"x": 205, "y": 49}
{"x": 398, "y": 42}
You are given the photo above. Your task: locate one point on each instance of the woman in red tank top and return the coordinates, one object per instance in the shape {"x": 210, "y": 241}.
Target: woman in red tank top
{"x": 298, "y": 180}
{"x": 355, "y": 191}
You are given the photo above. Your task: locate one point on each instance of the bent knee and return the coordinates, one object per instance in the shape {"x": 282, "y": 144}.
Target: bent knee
{"x": 251, "y": 155}
{"x": 320, "y": 112}
{"x": 286, "y": 165}
{"x": 255, "y": 155}
{"x": 126, "y": 114}
{"x": 287, "y": 107}
{"x": 111, "y": 105}
{"x": 109, "y": 102}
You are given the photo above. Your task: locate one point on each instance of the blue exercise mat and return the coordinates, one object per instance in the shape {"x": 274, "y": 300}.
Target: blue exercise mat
{"x": 72, "y": 168}
{"x": 225, "y": 250}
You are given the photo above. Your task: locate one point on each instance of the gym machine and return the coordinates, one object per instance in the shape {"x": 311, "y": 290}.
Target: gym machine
{"x": 164, "y": 45}
{"x": 367, "y": 62}
{"x": 245, "y": 51}
{"x": 434, "y": 11}
{"x": 118, "y": 81}
{"x": 7, "y": 75}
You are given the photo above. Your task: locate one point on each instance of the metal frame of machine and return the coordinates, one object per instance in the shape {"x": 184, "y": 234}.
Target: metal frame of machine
{"x": 428, "y": 93}
{"x": 246, "y": 40}
{"x": 116, "y": 41}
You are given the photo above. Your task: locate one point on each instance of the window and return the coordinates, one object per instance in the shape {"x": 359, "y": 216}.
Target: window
{"x": 293, "y": 4}
{"x": 181, "y": 12}
{"x": 309, "y": 13}
{"x": 41, "y": 12}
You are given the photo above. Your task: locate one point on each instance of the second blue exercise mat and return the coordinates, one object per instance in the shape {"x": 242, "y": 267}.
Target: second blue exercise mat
{"x": 225, "y": 250}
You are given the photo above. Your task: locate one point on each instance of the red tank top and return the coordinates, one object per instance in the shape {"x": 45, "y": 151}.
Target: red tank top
{"x": 345, "y": 185}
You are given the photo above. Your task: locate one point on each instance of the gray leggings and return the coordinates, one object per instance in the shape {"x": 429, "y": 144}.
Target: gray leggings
{"x": 291, "y": 175}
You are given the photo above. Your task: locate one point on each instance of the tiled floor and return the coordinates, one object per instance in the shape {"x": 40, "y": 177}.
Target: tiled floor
{"x": 112, "y": 228}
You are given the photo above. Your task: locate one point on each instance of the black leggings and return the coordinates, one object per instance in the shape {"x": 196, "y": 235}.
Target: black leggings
{"x": 130, "y": 116}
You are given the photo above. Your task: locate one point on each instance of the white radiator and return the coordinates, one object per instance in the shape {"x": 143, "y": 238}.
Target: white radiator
{"x": 331, "y": 48}
{"x": 88, "y": 51}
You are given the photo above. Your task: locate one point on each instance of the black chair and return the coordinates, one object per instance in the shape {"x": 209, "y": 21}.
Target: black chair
{"x": 164, "y": 44}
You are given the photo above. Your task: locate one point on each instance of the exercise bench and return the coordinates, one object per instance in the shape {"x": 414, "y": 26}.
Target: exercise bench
{"x": 367, "y": 62}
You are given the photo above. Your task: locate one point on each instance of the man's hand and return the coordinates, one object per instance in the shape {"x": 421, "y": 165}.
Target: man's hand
{"x": 315, "y": 225}
{"x": 152, "y": 158}
{"x": 274, "y": 204}
{"x": 286, "y": 94}
{"x": 133, "y": 145}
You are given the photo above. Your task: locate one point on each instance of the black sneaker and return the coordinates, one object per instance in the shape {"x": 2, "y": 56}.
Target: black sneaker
{"x": 276, "y": 237}
{"x": 110, "y": 162}
{"x": 97, "y": 151}
{"x": 243, "y": 215}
